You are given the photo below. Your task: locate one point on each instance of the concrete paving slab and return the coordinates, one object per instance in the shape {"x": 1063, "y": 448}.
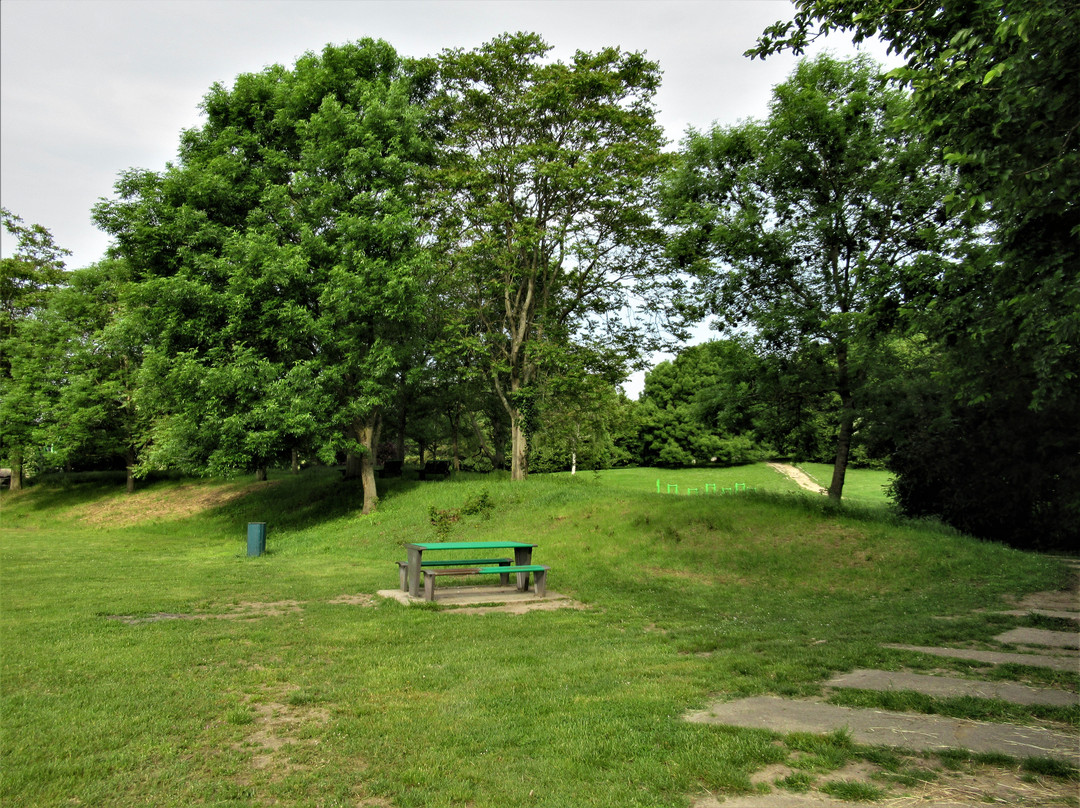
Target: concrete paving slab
{"x": 1043, "y": 637}
{"x": 1066, "y": 600}
{"x": 1058, "y": 663}
{"x": 474, "y": 596}
{"x": 950, "y": 687}
{"x": 1043, "y": 612}
{"x": 881, "y": 728}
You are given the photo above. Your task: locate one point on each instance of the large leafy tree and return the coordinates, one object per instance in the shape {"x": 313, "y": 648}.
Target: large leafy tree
{"x": 997, "y": 84}
{"x": 812, "y": 226}
{"x": 279, "y": 261}
{"x": 546, "y": 211}
{"x": 86, "y": 352}
{"x": 28, "y": 278}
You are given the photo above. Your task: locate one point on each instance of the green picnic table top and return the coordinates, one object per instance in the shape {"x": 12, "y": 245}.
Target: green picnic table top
{"x": 468, "y": 545}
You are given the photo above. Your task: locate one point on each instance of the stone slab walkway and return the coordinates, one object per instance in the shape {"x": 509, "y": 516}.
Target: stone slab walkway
{"x": 881, "y": 728}
{"x": 1057, "y": 663}
{"x": 1044, "y": 613}
{"x": 951, "y": 687}
{"x": 1056, "y": 650}
{"x": 1042, "y": 637}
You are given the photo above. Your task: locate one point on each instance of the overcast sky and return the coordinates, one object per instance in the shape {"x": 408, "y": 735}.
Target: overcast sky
{"x": 92, "y": 87}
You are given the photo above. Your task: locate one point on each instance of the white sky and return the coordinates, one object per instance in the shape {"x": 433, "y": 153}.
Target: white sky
{"x": 92, "y": 87}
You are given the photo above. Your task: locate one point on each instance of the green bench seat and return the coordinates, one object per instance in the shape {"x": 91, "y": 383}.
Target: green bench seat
{"x": 403, "y": 566}
{"x": 538, "y": 571}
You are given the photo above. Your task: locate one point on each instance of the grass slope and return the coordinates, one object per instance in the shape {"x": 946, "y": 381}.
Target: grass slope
{"x": 147, "y": 661}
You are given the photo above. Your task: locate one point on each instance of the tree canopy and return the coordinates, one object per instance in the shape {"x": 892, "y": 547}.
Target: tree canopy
{"x": 279, "y": 260}
{"x": 996, "y": 84}
{"x": 815, "y": 224}
{"x": 547, "y": 186}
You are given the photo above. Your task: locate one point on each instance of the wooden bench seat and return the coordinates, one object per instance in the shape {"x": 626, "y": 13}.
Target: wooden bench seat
{"x": 403, "y": 566}
{"x": 539, "y": 573}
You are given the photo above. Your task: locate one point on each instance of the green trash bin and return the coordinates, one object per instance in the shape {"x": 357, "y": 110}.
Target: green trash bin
{"x": 256, "y": 538}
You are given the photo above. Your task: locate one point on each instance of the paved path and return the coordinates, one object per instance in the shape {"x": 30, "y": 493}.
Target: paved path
{"x": 1056, "y": 650}
{"x": 882, "y": 728}
{"x": 800, "y": 477}
{"x": 951, "y": 687}
{"x": 1057, "y": 663}
{"x": 1041, "y": 637}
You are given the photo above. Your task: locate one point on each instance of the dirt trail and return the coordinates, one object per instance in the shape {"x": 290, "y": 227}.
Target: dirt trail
{"x": 800, "y": 477}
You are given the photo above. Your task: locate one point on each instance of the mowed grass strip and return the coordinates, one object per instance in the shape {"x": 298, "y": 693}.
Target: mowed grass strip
{"x": 149, "y": 661}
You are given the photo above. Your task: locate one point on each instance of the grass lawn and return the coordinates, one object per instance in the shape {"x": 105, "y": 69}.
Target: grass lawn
{"x": 862, "y": 487}
{"x": 147, "y": 661}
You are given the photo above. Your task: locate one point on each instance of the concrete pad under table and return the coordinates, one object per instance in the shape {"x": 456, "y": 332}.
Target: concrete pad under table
{"x": 473, "y": 596}
{"x": 950, "y": 687}
{"x": 881, "y": 728}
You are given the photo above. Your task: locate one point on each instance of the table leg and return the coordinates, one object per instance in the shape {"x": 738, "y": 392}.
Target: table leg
{"x": 414, "y": 554}
{"x": 522, "y": 558}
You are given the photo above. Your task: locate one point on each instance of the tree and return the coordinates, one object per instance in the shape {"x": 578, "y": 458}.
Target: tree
{"x": 722, "y": 402}
{"x": 86, "y": 354}
{"x": 28, "y": 278}
{"x": 996, "y": 85}
{"x": 814, "y": 225}
{"x": 280, "y": 261}
{"x": 546, "y": 211}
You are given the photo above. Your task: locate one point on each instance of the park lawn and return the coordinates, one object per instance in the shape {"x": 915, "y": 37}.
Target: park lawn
{"x": 147, "y": 661}
{"x": 865, "y": 487}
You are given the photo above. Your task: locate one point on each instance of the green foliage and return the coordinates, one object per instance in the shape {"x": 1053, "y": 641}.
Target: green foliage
{"x": 87, "y": 350}
{"x": 723, "y": 402}
{"x": 994, "y": 81}
{"x": 1050, "y": 767}
{"x": 854, "y": 791}
{"x": 545, "y": 206}
{"x": 444, "y": 519}
{"x": 28, "y": 278}
{"x": 995, "y": 86}
{"x": 278, "y": 261}
{"x": 813, "y": 226}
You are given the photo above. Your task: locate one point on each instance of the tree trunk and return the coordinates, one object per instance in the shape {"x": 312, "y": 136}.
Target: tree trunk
{"x": 847, "y": 424}
{"x": 130, "y": 470}
{"x": 260, "y": 474}
{"x": 519, "y": 448}
{"x": 485, "y": 450}
{"x": 367, "y": 433}
{"x": 402, "y": 419}
{"x": 295, "y": 462}
{"x": 455, "y": 429}
{"x": 16, "y": 481}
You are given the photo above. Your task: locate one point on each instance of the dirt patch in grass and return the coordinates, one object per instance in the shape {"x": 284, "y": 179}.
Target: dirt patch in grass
{"x": 165, "y": 504}
{"x": 354, "y": 600}
{"x": 276, "y": 725}
{"x": 245, "y": 610}
{"x": 926, "y": 782}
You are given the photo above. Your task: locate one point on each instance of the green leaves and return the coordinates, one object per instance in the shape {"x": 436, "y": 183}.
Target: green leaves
{"x": 545, "y": 206}
{"x": 284, "y": 246}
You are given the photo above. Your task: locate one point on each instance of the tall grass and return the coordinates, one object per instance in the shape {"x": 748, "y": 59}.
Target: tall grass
{"x": 147, "y": 660}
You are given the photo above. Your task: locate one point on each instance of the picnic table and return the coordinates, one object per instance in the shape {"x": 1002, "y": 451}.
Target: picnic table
{"x": 522, "y": 555}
